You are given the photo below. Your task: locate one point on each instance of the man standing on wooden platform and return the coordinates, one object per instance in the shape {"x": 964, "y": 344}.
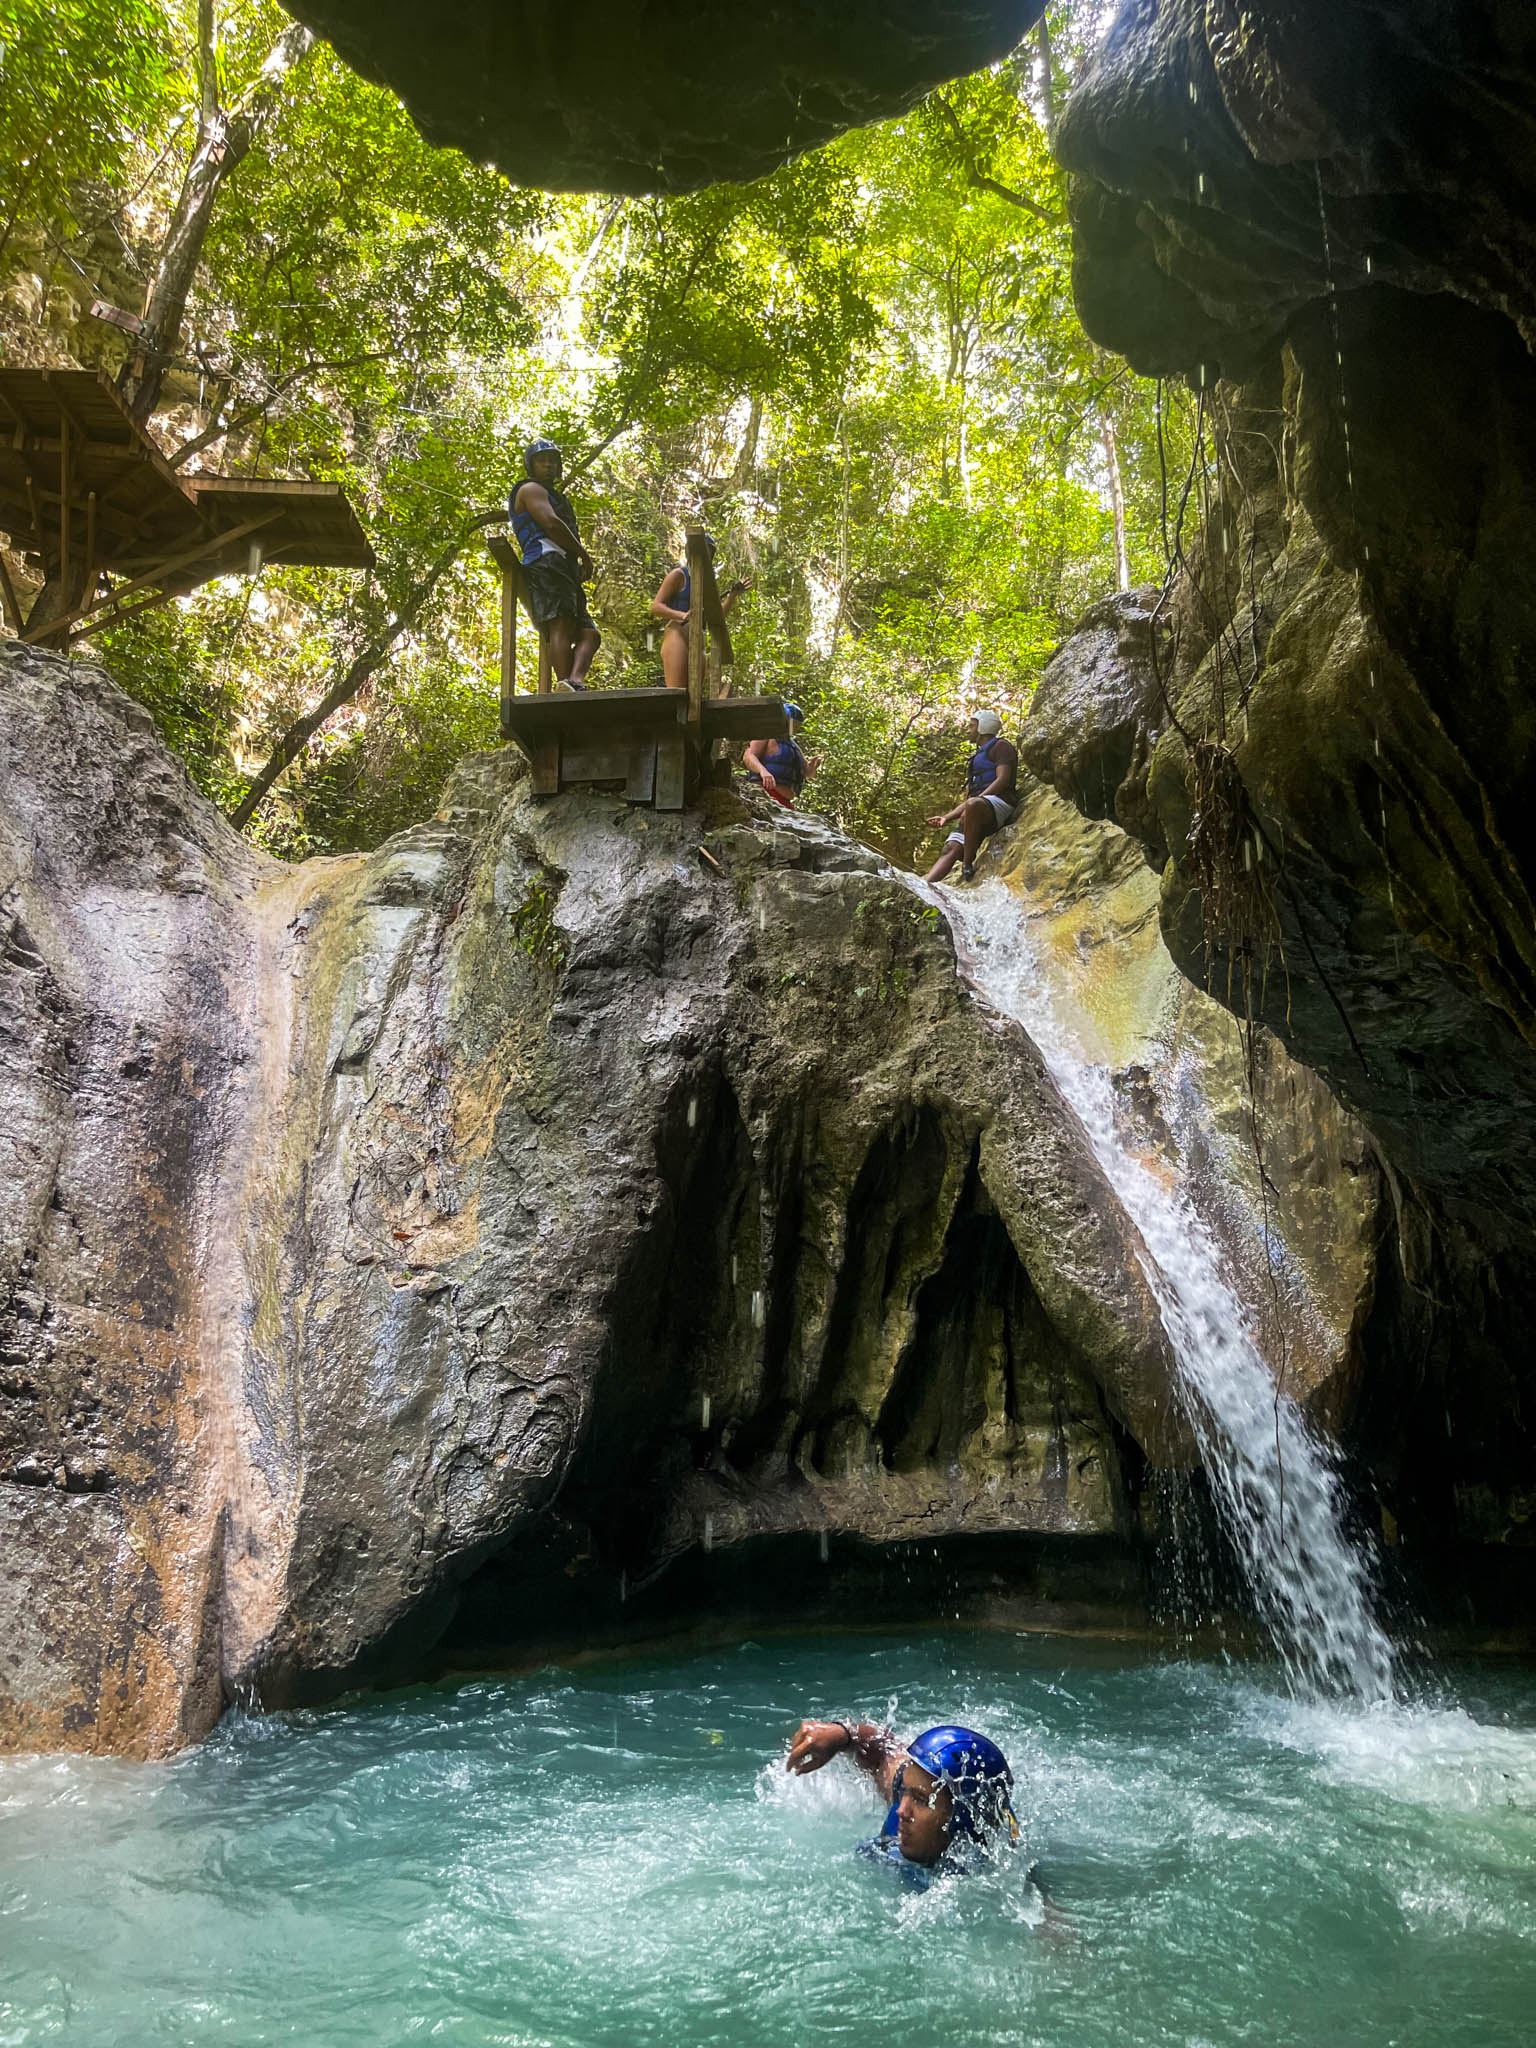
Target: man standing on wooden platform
{"x": 555, "y": 565}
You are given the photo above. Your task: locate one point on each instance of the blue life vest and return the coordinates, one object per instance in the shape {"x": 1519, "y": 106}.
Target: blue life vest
{"x": 684, "y": 598}
{"x": 531, "y": 537}
{"x": 785, "y": 763}
{"x": 982, "y": 772}
{"x": 883, "y": 1849}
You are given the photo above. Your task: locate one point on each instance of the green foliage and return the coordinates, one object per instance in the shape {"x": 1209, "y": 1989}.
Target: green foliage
{"x": 534, "y": 929}
{"x": 864, "y": 372}
{"x": 77, "y": 84}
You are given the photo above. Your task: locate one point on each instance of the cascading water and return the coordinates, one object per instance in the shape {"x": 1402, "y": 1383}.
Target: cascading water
{"x": 1275, "y": 1490}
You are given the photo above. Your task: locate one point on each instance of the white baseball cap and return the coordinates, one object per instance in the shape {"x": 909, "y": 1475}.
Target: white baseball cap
{"x": 988, "y": 722}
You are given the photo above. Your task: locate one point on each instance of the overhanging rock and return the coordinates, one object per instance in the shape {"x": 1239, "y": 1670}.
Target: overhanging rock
{"x": 604, "y": 95}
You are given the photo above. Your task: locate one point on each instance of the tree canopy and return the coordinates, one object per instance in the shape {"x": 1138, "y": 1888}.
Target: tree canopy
{"x": 864, "y": 373}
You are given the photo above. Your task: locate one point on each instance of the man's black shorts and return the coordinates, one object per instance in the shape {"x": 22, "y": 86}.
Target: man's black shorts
{"x": 555, "y": 592}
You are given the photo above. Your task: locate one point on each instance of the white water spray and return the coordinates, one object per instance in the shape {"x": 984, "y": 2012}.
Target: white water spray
{"x": 1275, "y": 1489}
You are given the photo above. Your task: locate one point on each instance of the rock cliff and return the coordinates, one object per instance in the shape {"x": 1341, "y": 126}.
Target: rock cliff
{"x": 540, "y": 1195}
{"x": 567, "y": 1222}
{"x": 1321, "y": 216}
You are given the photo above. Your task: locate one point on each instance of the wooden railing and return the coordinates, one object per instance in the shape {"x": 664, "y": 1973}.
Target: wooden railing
{"x": 709, "y": 637}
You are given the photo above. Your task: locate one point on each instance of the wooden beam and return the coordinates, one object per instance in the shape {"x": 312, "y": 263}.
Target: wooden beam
{"x": 211, "y": 544}
{"x": 8, "y": 594}
{"x": 698, "y": 566}
{"x": 103, "y": 622}
{"x": 37, "y": 525}
{"x": 63, "y": 503}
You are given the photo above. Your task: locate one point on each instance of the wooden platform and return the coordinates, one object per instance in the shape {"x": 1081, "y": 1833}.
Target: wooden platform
{"x": 85, "y": 490}
{"x": 660, "y": 745}
{"x": 640, "y": 738}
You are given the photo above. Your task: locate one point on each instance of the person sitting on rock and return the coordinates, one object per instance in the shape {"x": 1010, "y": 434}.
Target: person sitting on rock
{"x": 948, "y": 1792}
{"x": 781, "y": 766}
{"x": 671, "y": 603}
{"x": 989, "y": 801}
{"x": 555, "y": 565}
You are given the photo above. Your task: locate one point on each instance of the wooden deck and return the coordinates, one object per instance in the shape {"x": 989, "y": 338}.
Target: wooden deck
{"x": 641, "y": 739}
{"x": 660, "y": 746}
{"x": 85, "y": 491}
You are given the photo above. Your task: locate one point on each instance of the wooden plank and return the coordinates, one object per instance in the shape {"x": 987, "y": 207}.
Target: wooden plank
{"x": 545, "y": 762}
{"x": 594, "y": 762}
{"x": 671, "y": 772}
{"x": 641, "y": 784}
{"x": 745, "y": 718}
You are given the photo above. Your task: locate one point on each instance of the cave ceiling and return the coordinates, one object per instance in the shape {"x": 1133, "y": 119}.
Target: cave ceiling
{"x": 662, "y": 97}
{"x": 1232, "y": 161}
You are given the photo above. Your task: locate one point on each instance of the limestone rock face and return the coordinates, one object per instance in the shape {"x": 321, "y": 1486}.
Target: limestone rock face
{"x": 1235, "y": 158}
{"x": 618, "y": 98}
{"x": 1331, "y": 206}
{"x": 125, "y": 1043}
{"x": 1285, "y": 1180}
{"x": 533, "y": 1195}
{"x": 1097, "y": 710}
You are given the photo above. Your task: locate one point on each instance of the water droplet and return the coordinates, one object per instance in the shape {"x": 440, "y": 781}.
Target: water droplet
{"x": 693, "y": 1111}
{"x": 824, "y": 1546}
{"x": 703, "y": 1411}
{"x": 757, "y": 1308}
{"x": 709, "y": 1532}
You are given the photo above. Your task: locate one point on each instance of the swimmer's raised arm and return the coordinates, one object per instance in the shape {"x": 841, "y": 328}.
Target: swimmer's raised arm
{"x": 875, "y": 1750}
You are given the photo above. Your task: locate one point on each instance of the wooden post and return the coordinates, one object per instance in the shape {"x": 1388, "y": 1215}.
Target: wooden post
{"x": 698, "y": 569}
{"x": 508, "y": 647}
{"x": 8, "y": 594}
{"x": 88, "y": 582}
{"x": 64, "y": 590}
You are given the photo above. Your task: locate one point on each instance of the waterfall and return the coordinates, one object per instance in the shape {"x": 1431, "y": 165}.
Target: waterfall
{"x": 1274, "y": 1485}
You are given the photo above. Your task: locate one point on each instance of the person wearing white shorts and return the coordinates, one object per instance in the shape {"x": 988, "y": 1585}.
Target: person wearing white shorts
{"x": 991, "y": 785}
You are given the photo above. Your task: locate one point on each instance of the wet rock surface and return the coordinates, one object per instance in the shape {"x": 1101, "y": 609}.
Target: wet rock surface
{"x": 534, "y": 1188}
{"x": 1285, "y": 1180}
{"x": 1231, "y": 160}
{"x": 604, "y": 96}
{"x": 1332, "y": 208}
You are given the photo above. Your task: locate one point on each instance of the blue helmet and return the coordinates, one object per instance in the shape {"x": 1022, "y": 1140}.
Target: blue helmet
{"x": 977, "y": 1775}
{"x": 543, "y": 448}
{"x": 793, "y": 711}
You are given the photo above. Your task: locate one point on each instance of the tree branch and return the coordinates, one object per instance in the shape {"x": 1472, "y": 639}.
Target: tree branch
{"x": 357, "y": 672}
{"x": 983, "y": 179}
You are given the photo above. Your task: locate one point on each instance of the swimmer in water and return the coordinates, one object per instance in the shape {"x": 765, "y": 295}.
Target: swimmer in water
{"x": 948, "y": 1792}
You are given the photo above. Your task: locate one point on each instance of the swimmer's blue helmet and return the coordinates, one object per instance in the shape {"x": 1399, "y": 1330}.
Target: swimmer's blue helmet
{"x": 793, "y": 711}
{"x": 977, "y": 1775}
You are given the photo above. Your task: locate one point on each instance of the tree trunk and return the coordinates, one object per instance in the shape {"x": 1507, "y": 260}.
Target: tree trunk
{"x": 223, "y": 141}
{"x": 1047, "y": 83}
{"x": 1117, "y": 503}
